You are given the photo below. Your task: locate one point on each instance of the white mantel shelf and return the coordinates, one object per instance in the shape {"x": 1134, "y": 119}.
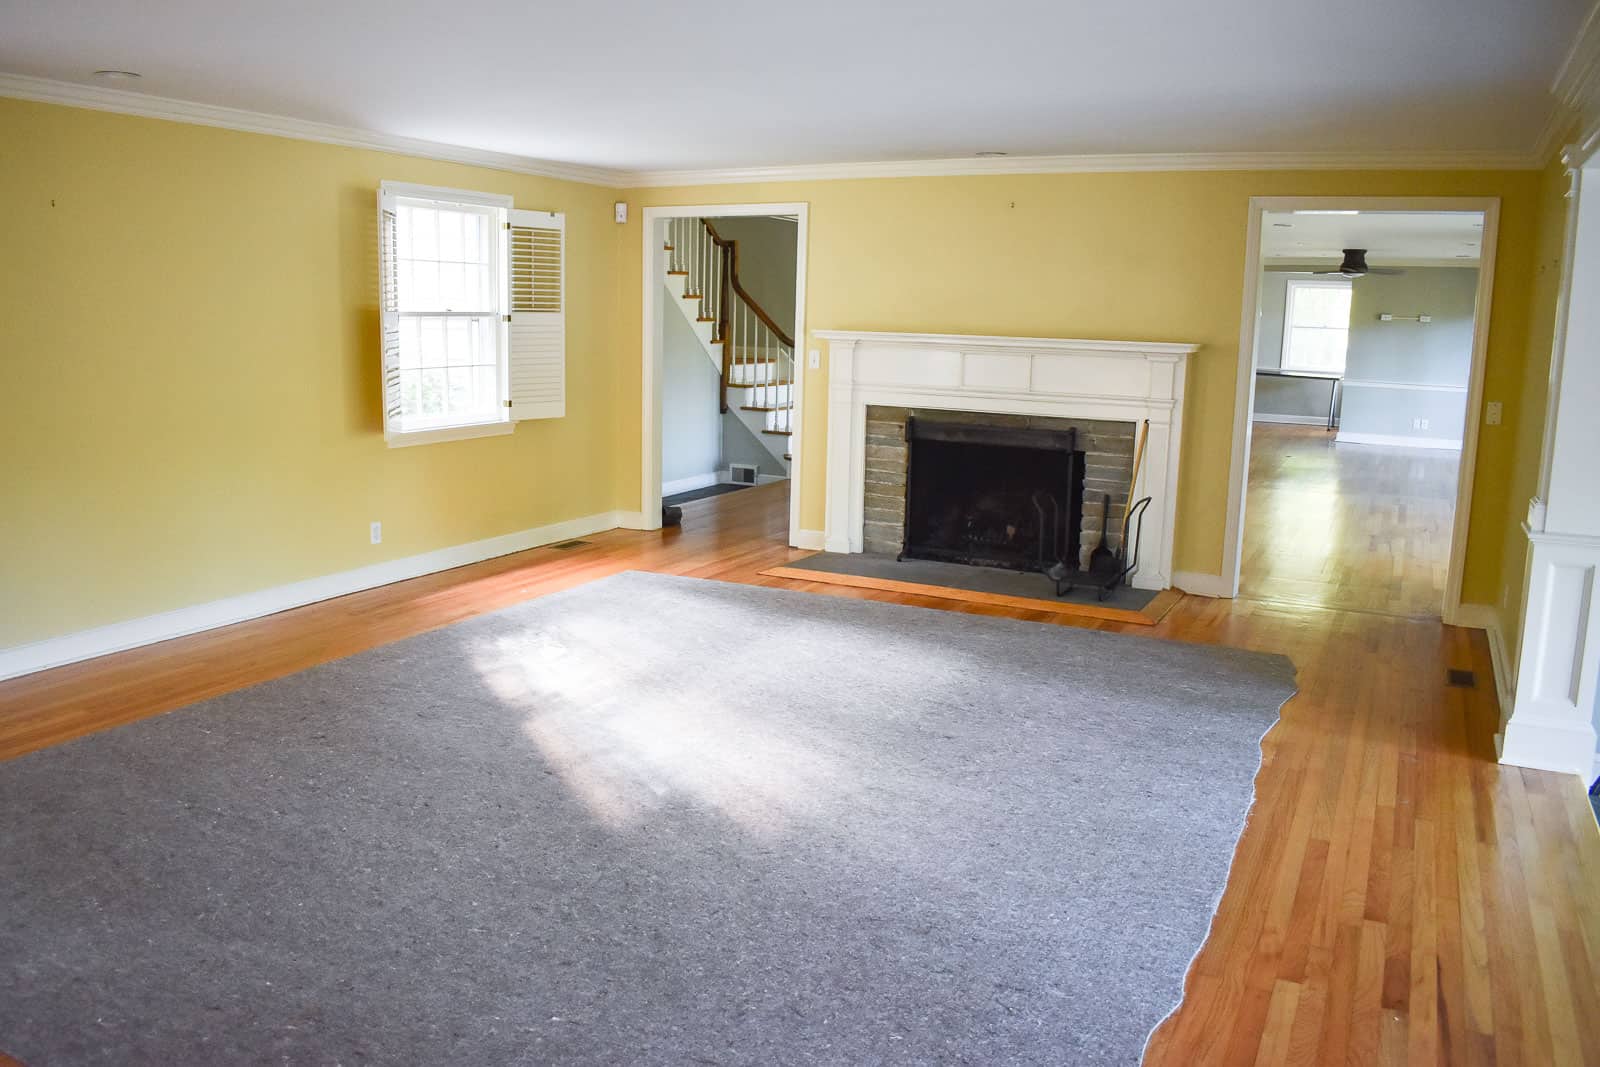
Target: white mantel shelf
{"x": 1056, "y": 376}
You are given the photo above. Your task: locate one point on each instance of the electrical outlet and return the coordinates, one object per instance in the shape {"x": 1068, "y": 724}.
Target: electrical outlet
{"x": 814, "y": 359}
{"x": 1424, "y": 425}
{"x": 377, "y": 533}
{"x": 1419, "y": 424}
{"x": 1493, "y": 413}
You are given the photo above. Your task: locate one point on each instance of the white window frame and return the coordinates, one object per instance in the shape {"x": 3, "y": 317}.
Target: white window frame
{"x": 1288, "y": 321}
{"x": 501, "y": 422}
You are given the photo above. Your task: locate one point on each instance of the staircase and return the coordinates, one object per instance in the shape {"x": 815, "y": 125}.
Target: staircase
{"x": 754, "y": 355}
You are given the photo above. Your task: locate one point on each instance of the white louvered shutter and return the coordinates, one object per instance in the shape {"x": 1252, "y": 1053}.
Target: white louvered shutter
{"x": 389, "y": 311}
{"x": 537, "y": 346}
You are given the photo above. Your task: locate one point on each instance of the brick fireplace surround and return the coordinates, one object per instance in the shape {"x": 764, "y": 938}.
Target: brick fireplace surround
{"x": 1103, "y": 388}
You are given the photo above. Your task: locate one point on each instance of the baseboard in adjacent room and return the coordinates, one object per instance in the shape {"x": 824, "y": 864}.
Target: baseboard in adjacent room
{"x": 693, "y": 481}
{"x": 1290, "y": 420}
{"x": 1400, "y": 441}
{"x": 132, "y": 633}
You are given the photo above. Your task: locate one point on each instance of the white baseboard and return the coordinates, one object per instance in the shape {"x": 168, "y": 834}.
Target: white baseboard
{"x": 809, "y": 539}
{"x": 634, "y": 520}
{"x": 694, "y": 481}
{"x": 1202, "y": 584}
{"x": 1398, "y": 440}
{"x": 1486, "y": 618}
{"x": 132, "y": 633}
{"x": 1290, "y": 420}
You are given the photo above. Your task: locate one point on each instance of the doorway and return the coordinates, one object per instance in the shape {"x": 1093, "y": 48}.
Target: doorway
{"x": 1360, "y": 381}
{"x": 723, "y": 373}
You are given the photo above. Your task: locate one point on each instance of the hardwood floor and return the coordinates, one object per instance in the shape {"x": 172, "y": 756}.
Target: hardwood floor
{"x": 1396, "y": 897}
{"x": 1360, "y": 527}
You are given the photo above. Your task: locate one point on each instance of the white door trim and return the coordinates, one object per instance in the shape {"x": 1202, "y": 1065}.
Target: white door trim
{"x": 1245, "y": 398}
{"x": 650, "y": 370}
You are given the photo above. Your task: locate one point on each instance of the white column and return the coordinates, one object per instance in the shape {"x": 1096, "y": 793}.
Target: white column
{"x": 1552, "y": 722}
{"x": 838, "y": 533}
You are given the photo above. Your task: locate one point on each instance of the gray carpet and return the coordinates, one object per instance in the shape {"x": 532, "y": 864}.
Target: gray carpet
{"x": 650, "y": 820}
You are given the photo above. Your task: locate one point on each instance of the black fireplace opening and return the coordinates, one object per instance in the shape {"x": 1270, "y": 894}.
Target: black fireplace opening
{"x": 992, "y": 496}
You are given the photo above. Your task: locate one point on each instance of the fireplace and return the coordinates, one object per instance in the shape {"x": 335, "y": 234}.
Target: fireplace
{"x": 1090, "y": 383}
{"x": 992, "y": 496}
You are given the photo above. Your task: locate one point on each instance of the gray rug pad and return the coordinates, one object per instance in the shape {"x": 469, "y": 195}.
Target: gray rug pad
{"x": 649, "y": 820}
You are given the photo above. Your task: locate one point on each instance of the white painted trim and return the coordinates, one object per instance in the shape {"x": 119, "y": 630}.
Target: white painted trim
{"x": 445, "y": 194}
{"x": 407, "y": 438}
{"x": 1448, "y": 444}
{"x": 122, "y": 102}
{"x": 651, "y": 356}
{"x": 971, "y": 342}
{"x": 1290, "y": 420}
{"x": 809, "y": 539}
{"x": 1198, "y": 584}
{"x": 634, "y": 520}
{"x": 1245, "y": 377}
{"x": 133, "y": 633}
{"x": 693, "y": 481}
{"x": 1421, "y": 387}
{"x": 1090, "y": 164}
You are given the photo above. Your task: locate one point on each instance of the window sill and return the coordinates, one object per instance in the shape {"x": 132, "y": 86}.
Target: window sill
{"x": 449, "y": 433}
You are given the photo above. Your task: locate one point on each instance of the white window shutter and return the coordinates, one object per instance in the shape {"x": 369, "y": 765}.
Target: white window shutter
{"x": 537, "y": 346}
{"x": 389, "y": 311}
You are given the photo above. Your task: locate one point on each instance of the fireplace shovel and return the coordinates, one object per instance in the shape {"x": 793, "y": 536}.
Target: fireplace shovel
{"x": 1102, "y": 560}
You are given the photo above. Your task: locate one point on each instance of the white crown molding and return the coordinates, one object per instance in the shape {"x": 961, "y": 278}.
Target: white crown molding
{"x": 121, "y": 101}
{"x": 1577, "y": 81}
{"x": 69, "y": 94}
{"x": 1090, "y": 164}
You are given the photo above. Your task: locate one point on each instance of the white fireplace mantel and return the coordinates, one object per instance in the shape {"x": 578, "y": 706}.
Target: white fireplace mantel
{"x": 1067, "y": 378}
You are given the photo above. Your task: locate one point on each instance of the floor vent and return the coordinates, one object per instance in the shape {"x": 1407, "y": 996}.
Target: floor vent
{"x": 571, "y": 544}
{"x": 1461, "y": 679}
{"x": 742, "y": 473}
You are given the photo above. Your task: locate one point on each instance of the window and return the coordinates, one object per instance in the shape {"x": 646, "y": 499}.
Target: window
{"x": 1316, "y": 325}
{"x": 473, "y": 330}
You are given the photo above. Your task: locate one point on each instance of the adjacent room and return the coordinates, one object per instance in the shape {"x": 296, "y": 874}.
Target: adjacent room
{"x": 1003, "y": 534}
{"x": 1364, "y": 351}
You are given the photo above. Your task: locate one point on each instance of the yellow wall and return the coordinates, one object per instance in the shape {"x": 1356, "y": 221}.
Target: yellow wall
{"x": 190, "y": 376}
{"x": 1148, "y": 256}
{"x": 1527, "y": 400}
{"x": 188, "y": 358}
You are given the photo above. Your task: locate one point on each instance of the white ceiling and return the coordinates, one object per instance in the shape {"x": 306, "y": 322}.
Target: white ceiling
{"x": 651, "y": 84}
{"x": 1389, "y": 237}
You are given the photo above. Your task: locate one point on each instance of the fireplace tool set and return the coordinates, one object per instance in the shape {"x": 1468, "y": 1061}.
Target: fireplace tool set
{"x": 1107, "y": 569}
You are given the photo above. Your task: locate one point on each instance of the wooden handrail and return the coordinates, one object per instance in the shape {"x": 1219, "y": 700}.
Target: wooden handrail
{"x": 730, "y": 271}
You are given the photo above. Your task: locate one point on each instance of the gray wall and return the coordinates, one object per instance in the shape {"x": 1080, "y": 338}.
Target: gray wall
{"x": 1306, "y": 400}
{"x": 691, "y": 425}
{"x": 767, "y": 248}
{"x": 1434, "y": 359}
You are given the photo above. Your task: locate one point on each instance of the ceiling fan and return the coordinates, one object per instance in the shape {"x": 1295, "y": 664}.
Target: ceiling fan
{"x": 1354, "y": 266}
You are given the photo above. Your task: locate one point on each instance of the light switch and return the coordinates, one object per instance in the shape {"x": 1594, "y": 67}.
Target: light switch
{"x": 1492, "y": 413}
{"x": 620, "y": 208}
{"x": 815, "y": 361}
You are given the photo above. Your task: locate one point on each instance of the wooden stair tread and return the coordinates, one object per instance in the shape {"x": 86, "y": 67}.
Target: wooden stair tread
{"x": 778, "y": 433}
{"x": 781, "y": 407}
{"x": 755, "y": 385}
{"x": 682, "y": 273}
{"x": 787, "y": 456}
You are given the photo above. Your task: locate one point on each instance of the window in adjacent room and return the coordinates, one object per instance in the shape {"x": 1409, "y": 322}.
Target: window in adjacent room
{"x": 1316, "y": 325}
{"x": 473, "y": 330}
